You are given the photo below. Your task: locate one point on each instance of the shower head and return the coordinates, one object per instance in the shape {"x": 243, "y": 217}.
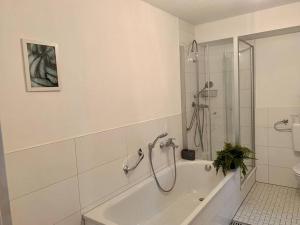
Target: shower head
{"x": 194, "y": 46}
{"x": 193, "y": 52}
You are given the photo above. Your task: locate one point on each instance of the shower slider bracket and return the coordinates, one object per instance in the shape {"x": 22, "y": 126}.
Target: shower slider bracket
{"x": 127, "y": 169}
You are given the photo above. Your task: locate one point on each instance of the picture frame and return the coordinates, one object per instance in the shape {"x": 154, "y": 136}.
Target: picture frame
{"x": 41, "y": 66}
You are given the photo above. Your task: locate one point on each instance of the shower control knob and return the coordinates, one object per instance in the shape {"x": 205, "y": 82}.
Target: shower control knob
{"x": 168, "y": 143}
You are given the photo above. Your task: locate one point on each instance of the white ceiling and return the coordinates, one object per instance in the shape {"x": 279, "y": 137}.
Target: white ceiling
{"x": 202, "y": 11}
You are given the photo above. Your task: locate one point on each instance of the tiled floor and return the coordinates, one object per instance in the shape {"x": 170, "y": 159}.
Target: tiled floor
{"x": 268, "y": 204}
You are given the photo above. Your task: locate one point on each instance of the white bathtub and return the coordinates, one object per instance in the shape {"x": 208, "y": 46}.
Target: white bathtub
{"x": 144, "y": 204}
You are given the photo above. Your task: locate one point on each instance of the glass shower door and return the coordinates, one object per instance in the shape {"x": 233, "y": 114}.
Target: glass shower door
{"x": 247, "y": 103}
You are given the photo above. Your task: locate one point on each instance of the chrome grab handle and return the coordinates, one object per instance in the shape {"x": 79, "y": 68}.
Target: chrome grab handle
{"x": 285, "y": 122}
{"x": 126, "y": 168}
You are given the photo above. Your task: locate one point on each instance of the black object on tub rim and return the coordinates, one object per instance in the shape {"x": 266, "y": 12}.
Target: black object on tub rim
{"x": 188, "y": 154}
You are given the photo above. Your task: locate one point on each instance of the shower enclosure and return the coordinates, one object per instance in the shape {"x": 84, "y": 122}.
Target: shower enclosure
{"x": 215, "y": 108}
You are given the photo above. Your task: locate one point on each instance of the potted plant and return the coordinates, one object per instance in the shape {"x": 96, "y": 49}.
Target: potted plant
{"x": 232, "y": 157}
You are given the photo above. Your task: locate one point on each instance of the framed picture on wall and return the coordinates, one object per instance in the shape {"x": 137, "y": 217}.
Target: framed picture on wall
{"x": 41, "y": 66}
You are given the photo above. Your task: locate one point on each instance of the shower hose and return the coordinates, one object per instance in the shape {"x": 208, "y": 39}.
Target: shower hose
{"x": 154, "y": 174}
{"x": 199, "y": 126}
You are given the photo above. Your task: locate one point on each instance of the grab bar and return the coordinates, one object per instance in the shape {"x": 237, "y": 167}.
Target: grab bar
{"x": 285, "y": 122}
{"x": 126, "y": 168}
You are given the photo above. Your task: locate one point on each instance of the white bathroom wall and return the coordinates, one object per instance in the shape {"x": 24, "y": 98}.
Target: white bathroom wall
{"x": 119, "y": 65}
{"x": 277, "y": 98}
{"x": 56, "y": 183}
{"x": 260, "y": 21}
{"x": 186, "y": 33}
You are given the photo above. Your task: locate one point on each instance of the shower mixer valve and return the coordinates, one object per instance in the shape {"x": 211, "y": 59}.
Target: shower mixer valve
{"x": 168, "y": 143}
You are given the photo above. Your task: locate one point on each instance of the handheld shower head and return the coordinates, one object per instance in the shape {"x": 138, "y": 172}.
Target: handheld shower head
{"x": 152, "y": 145}
{"x": 208, "y": 84}
{"x": 163, "y": 135}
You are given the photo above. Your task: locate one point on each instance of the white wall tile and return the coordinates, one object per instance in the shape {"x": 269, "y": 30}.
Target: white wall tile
{"x": 140, "y": 135}
{"x": 245, "y": 98}
{"x": 218, "y": 115}
{"x": 283, "y": 157}
{"x": 279, "y": 139}
{"x": 246, "y": 136}
{"x": 35, "y": 168}
{"x": 163, "y": 157}
{"x": 261, "y": 136}
{"x": 244, "y": 61}
{"x": 74, "y": 219}
{"x": 261, "y": 117}
{"x": 280, "y": 113}
{"x": 174, "y": 127}
{"x": 187, "y": 81}
{"x": 245, "y": 116}
{"x": 215, "y": 62}
{"x": 100, "y": 162}
{"x": 282, "y": 176}
{"x": 262, "y": 173}
{"x": 48, "y": 205}
{"x": 96, "y": 149}
{"x": 261, "y": 155}
{"x": 99, "y": 182}
{"x": 245, "y": 79}
{"x": 218, "y": 80}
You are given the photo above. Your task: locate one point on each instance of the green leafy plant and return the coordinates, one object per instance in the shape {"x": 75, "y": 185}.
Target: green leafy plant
{"x": 232, "y": 157}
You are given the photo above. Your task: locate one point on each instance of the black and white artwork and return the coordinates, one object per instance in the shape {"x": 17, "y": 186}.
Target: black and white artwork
{"x": 41, "y": 66}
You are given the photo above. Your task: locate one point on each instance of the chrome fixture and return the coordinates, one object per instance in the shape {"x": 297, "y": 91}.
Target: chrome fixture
{"x": 193, "y": 52}
{"x": 168, "y": 143}
{"x": 282, "y": 122}
{"x": 208, "y": 167}
{"x": 197, "y": 119}
{"x": 194, "y": 46}
{"x": 208, "y": 85}
{"x": 152, "y": 145}
{"x": 126, "y": 168}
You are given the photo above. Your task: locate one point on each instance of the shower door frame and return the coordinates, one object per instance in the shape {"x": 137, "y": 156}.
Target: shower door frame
{"x": 252, "y": 71}
{"x": 236, "y": 96}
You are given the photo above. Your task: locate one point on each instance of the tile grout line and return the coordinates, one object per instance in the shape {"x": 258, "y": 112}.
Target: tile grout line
{"x": 77, "y": 175}
{"x": 16, "y": 150}
{"x": 43, "y": 188}
{"x": 279, "y": 205}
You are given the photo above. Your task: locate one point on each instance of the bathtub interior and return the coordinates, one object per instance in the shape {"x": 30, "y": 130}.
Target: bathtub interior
{"x": 146, "y": 205}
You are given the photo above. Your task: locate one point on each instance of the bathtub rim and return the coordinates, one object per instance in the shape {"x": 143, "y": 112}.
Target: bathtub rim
{"x": 212, "y": 194}
{"x": 96, "y": 214}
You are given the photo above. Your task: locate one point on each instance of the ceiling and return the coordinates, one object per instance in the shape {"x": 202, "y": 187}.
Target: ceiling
{"x": 202, "y": 11}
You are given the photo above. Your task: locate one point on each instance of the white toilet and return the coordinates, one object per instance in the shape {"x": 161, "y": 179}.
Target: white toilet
{"x": 296, "y": 169}
{"x": 296, "y": 144}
